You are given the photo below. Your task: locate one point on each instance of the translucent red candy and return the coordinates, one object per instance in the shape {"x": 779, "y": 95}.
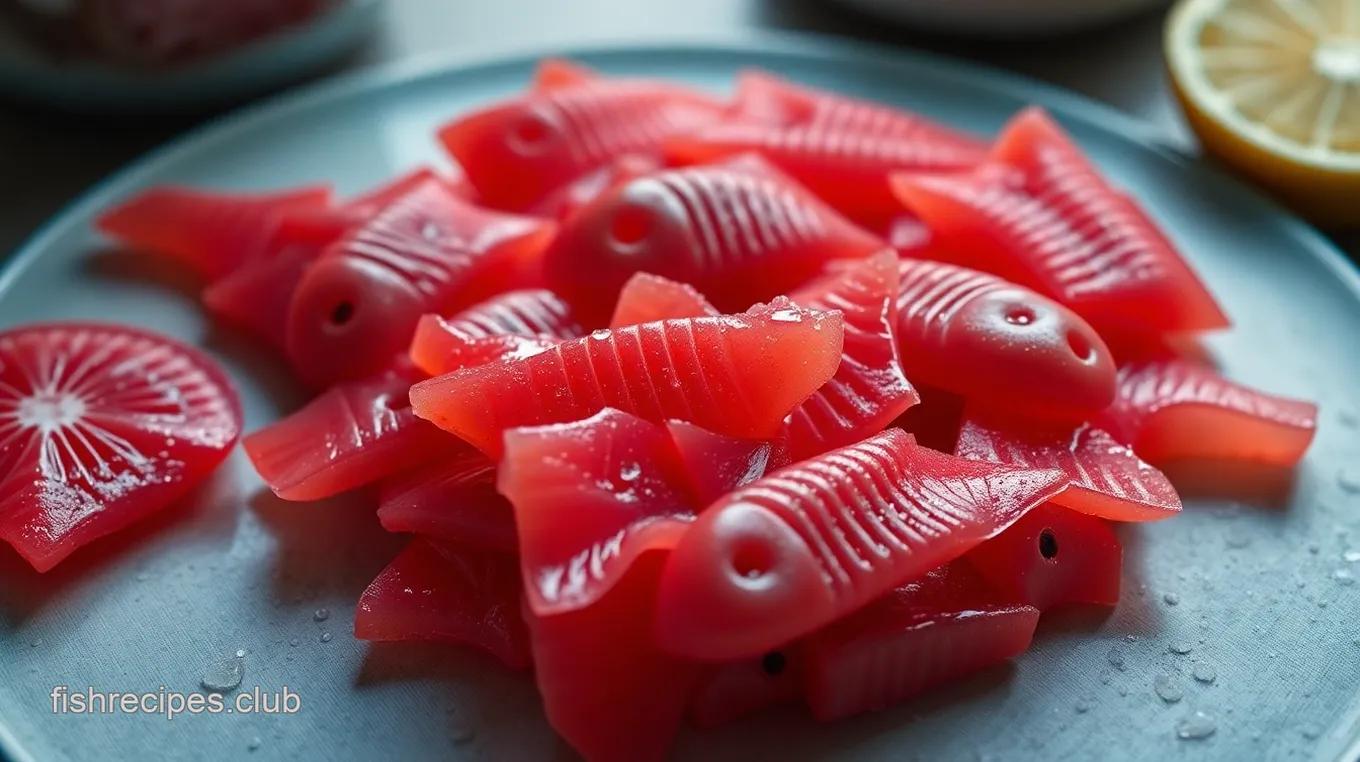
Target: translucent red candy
{"x": 740, "y": 232}
{"x": 738, "y": 375}
{"x": 1039, "y": 213}
{"x": 454, "y": 594}
{"x": 790, "y": 553}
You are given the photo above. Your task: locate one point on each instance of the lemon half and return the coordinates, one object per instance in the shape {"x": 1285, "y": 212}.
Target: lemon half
{"x": 1272, "y": 88}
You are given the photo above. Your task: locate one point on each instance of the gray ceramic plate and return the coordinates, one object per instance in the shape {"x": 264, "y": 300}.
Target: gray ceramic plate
{"x": 1258, "y": 599}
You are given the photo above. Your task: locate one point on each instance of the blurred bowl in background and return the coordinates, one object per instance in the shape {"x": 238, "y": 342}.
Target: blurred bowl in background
{"x": 92, "y": 85}
{"x": 1003, "y": 18}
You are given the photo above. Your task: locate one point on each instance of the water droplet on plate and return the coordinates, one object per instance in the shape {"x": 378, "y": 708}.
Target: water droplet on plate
{"x": 1351, "y": 556}
{"x": 1166, "y": 689}
{"x": 254, "y": 744}
{"x": 1344, "y": 577}
{"x": 1116, "y": 658}
{"x": 240, "y": 653}
{"x": 461, "y": 735}
{"x": 1180, "y": 648}
{"x": 1084, "y": 704}
{"x": 1311, "y": 732}
{"x": 142, "y": 576}
{"x": 294, "y": 642}
{"x": 322, "y": 615}
{"x": 1196, "y": 727}
{"x": 1237, "y": 539}
{"x": 325, "y": 637}
{"x": 223, "y": 675}
{"x": 1348, "y": 418}
{"x": 1204, "y": 672}
{"x": 1314, "y": 548}
{"x": 1171, "y": 599}
{"x": 1348, "y": 479}
{"x": 34, "y": 643}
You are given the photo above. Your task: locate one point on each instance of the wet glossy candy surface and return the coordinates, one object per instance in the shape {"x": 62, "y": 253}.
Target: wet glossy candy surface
{"x": 869, "y": 389}
{"x": 453, "y": 594}
{"x": 789, "y": 553}
{"x": 696, "y": 370}
{"x": 1183, "y": 410}
{"x": 101, "y": 426}
{"x": 740, "y": 232}
{"x": 1107, "y": 479}
{"x": 1000, "y": 344}
{"x": 1038, "y": 213}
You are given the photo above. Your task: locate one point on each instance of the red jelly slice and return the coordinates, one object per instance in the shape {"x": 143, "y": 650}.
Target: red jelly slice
{"x": 841, "y": 148}
{"x": 101, "y": 426}
{"x": 448, "y": 593}
{"x": 869, "y": 389}
{"x": 646, "y": 298}
{"x": 736, "y": 374}
{"x": 1039, "y": 213}
{"x": 519, "y": 151}
{"x": 352, "y": 435}
{"x": 810, "y": 543}
{"x": 589, "y": 497}
{"x": 927, "y": 633}
{"x": 606, "y": 687}
{"x": 452, "y": 499}
{"x": 986, "y": 339}
{"x": 740, "y": 232}
{"x": 429, "y": 251}
{"x": 1053, "y": 556}
{"x": 1106, "y": 479}
{"x": 1182, "y": 410}
{"x": 714, "y": 464}
{"x": 730, "y": 691}
{"x": 566, "y": 201}
{"x": 214, "y": 232}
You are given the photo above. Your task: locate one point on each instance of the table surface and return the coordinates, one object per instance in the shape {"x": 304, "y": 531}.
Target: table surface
{"x": 47, "y": 159}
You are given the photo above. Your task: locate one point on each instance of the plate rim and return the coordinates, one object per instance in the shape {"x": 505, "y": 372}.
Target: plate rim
{"x": 1071, "y": 106}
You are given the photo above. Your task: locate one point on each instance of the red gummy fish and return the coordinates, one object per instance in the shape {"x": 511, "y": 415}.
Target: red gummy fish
{"x": 808, "y": 544}
{"x": 211, "y": 231}
{"x": 518, "y": 152}
{"x": 101, "y": 426}
{"x": 448, "y": 593}
{"x": 429, "y": 251}
{"x": 1040, "y": 214}
{"x": 977, "y": 335}
{"x": 734, "y": 374}
{"x": 740, "y": 232}
{"x": 841, "y": 148}
{"x": 869, "y": 389}
{"x": 590, "y": 497}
